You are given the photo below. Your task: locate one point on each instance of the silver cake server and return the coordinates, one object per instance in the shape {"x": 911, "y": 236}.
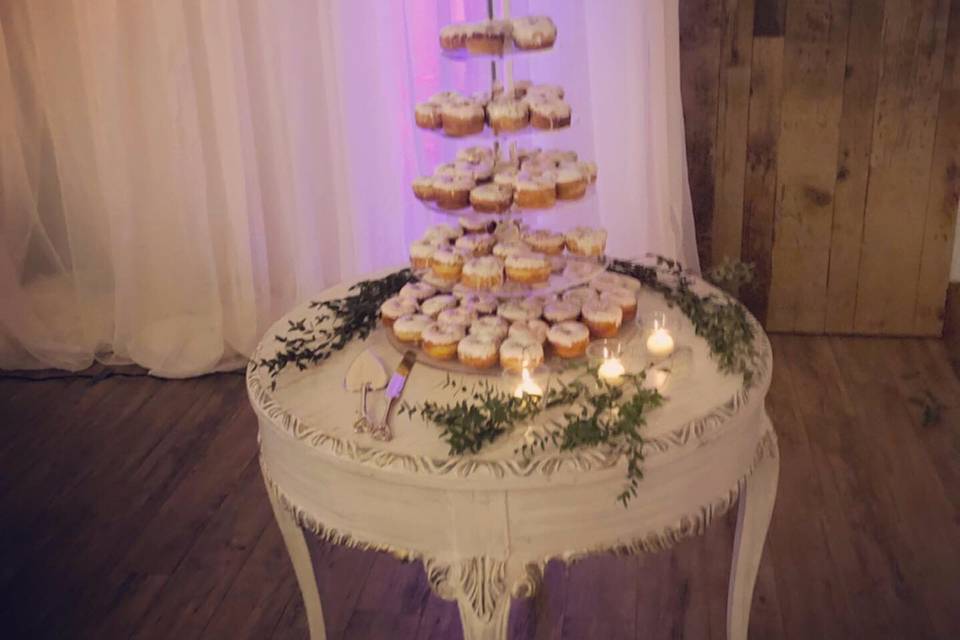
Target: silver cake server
{"x": 382, "y": 430}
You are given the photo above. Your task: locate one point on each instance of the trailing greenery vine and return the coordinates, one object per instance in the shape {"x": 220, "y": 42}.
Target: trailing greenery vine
{"x": 594, "y": 413}
{"x": 719, "y": 319}
{"x": 591, "y": 413}
{"x": 336, "y": 324}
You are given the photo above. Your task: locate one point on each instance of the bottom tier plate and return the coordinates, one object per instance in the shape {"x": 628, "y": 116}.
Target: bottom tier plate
{"x": 627, "y": 332}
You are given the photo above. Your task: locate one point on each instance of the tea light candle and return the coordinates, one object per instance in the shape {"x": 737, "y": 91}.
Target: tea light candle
{"x": 611, "y": 371}
{"x": 528, "y": 386}
{"x": 660, "y": 343}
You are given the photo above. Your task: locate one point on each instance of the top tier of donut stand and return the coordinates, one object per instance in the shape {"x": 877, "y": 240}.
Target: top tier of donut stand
{"x": 497, "y": 137}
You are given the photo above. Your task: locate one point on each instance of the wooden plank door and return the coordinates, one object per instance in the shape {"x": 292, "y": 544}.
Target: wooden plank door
{"x": 827, "y": 152}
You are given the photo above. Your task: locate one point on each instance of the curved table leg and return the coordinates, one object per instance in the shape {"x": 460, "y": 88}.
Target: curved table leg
{"x": 481, "y": 628}
{"x": 302, "y": 566}
{"x": 753, "y": 520}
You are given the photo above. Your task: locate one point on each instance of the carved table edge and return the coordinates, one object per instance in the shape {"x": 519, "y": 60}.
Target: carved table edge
{"x": 699, "y": 430}
{"x": 481, "y": 581}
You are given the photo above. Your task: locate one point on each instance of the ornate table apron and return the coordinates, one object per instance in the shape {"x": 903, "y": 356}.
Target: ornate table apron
{"x": 485, "y": 529}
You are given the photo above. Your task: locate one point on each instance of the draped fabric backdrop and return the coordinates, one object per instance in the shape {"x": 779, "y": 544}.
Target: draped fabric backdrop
{"x": 174, "y": 174}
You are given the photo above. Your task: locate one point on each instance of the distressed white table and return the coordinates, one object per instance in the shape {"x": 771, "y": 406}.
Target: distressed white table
{"x": 485, "y": 525}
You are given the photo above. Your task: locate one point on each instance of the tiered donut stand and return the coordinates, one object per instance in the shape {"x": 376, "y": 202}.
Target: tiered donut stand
{"x": 572, "y": 270}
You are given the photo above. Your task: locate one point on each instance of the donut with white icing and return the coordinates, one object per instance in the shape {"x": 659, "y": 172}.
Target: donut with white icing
{"x": 561, "y": 310}
{"x": 533, "y": 32}
{"x": 418, "y": 291}
{"x": 453, "y": 36}
{"x": 527, "y": 268}
{"x": 446, "y": 264}
{"x": 491, "y": 197}
{"x": 476, "y": 244}
{"x": 508, "y": 114}
{"x": 485, "y": 272}
{"x": 544, "y": 241}
{"x": 435, "y": 304}
{"x": 548, "y": 113}
{"x": 421, "y": 252}
{"x": 482, "y": 303}
{"x": 440, "y": 340}
{"x": 423, "y": 188}
{"x": 569, "y": 339}
{"x": 476, "y": 154}
{"x": 535, "y": 190}
{"x": 478, "y": 352}
{"x": 488, "y": 37}
{"x": 514, "y": 310}
{"x": 490, "y": 327}
{"x": 602, "y": 318}
{"x": 624, "y": 298}
{"x": 427, "y": 115}
{"x": 442, "y": 233}
{"x": 410, "y": 327}
{"x": 534, "y": 329}
{"x": 504, "y": 249}
{"x": 581, "y": 295}
{"x": 452, "y": 191}
{"x": 397, "y": 306}
{"x": 587, "y": 241}
{"x": 517, "y": 353}
{"x": 571, "y": 183}
{"x": 460, "y": 316}
{"x": 477, "y": 224}
{"x": 462, "y": 117}
{"x": 610, "y": 280}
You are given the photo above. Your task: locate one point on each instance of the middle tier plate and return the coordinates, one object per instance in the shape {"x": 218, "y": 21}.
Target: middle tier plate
{"x": 560, "y": 205}
{"x": 577, "y": 271}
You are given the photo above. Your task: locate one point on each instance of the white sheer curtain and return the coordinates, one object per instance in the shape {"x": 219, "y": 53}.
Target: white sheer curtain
{"x": 176, "y": 173}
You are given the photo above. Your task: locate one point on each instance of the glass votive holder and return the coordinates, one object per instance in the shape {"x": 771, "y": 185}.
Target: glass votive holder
{"x": 659, "y": 334}
{"x": 668, "y": 372}
{"x": 607, "y": 357}
{"x": 527, "y": 382}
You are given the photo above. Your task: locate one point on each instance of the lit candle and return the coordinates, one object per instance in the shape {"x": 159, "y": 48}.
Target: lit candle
{"x": 611, "y": 371}
{"x": 659, "y": 378}
{"x": 660, "y": 343}
{"x": 528, "y": 386}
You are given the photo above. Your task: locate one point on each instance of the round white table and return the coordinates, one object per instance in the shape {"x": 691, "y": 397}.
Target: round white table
{"x": 485, "y": 525}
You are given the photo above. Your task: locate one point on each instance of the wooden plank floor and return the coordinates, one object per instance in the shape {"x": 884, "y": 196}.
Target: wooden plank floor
{"x": 133, "y": 508}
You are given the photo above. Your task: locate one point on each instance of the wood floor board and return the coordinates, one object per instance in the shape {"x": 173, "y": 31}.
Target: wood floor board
{"x": 195, "y": 590}
{"x": 259, "y": 593}
{"x": 143, "y": 515}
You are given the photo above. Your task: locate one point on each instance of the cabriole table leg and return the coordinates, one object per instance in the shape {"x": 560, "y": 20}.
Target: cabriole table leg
{"x": 302, "y": 566}
{"x": 477, "y": 628}
{"x": 753, "y": 520}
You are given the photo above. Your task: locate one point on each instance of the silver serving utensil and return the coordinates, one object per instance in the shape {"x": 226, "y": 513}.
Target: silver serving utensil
{"x": 363, "y": 423}
{"x": 382, "y": 430}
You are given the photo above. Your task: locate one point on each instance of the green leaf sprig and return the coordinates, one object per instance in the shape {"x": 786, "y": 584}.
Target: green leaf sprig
{"x": 337, "y": 322}
{"x": 595, "y": 414}
{"x": 606, "y": 415}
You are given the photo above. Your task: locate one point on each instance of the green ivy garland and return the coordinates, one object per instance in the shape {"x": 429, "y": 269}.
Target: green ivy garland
{"x": 594, "y": 413}
{"x": 310, "y": 341}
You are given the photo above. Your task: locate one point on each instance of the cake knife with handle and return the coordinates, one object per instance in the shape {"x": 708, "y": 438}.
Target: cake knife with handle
{"x": 394, "y": 389}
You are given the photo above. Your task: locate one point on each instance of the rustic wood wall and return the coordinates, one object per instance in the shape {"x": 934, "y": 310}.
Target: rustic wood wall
{"x": 823, "y": 139}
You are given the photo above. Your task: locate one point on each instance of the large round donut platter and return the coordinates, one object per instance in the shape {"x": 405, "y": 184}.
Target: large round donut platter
{"x": 477, "y": 333}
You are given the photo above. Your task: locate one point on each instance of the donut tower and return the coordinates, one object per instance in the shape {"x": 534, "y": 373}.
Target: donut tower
{"x": 490, "y": 287}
